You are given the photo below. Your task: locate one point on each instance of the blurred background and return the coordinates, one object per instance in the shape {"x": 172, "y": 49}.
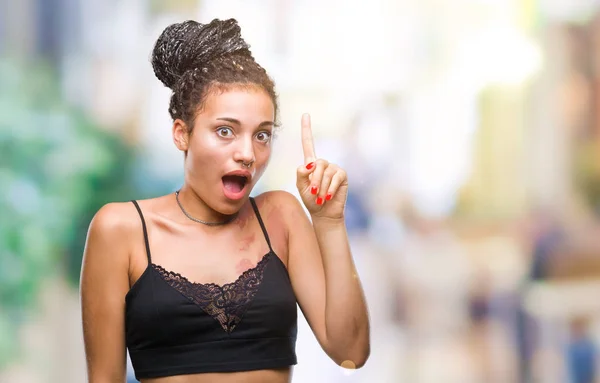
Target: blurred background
{"x": 470, "y": 130}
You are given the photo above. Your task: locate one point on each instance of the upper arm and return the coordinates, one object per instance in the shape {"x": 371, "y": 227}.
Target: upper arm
{"x": 305, "y": 264}
{"x": 104, "y": 284}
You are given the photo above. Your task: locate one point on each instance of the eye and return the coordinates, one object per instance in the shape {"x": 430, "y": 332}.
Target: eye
{"x": 224, "y": 131}
{"x": 263, "y": 136}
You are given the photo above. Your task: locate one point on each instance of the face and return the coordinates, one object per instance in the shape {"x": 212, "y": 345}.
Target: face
{"x": 229, "y": 146}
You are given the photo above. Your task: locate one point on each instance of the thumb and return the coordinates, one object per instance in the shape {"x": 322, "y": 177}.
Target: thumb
{"x": 303, "y": 176}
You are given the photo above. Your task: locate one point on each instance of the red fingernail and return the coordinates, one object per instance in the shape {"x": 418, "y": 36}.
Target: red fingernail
{"x": 313, "y": 190}
{"x": 319, "y": 201}
{"x": 310, "y": 165}
{"x": 328, "y": 197}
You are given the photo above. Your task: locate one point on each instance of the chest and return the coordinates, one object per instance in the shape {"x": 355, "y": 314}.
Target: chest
{"x": 215, "y": 256}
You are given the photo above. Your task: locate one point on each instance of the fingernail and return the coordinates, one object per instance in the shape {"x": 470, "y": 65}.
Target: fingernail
{"x": 313, "y": 190}
{"x": 310, "y": 165}
{"x": 328, "y": 196}
{"x": 319, "y": 201}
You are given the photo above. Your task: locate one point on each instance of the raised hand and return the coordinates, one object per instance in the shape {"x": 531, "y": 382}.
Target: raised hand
{"x": 323, "y": 186}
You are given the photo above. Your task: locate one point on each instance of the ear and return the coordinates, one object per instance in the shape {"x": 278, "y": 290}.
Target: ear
{"x": 181, "y": 135}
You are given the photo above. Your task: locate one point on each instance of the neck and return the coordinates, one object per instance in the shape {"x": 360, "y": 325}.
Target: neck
{"x": 196, "y": 209}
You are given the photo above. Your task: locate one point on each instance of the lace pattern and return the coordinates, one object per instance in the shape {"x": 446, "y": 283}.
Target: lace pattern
{"x": 225, "y": 303}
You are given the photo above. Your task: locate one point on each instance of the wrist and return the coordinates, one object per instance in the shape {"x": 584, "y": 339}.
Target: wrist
{"x": 328, "y": 221}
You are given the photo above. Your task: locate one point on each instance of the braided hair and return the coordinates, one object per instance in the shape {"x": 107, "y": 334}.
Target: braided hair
{"x": 194, "y": 59}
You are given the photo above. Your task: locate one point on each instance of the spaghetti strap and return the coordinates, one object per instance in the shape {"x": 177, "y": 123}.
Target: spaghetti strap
{"x": 260, "y": 221}
{"x": 145, "y": 231}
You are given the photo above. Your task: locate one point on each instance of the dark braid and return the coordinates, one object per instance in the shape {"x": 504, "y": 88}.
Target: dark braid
{"x": 194, "y": 59}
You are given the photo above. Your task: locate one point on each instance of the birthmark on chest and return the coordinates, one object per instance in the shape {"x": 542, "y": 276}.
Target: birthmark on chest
{"x": 244, "y": 265}
{"x": 247, "y": 241}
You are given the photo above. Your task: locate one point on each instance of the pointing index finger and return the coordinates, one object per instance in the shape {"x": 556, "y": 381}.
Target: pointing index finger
{"x": 307, "y": 140}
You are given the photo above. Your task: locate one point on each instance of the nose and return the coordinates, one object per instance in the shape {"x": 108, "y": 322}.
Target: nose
{"x": 244, "y": 152}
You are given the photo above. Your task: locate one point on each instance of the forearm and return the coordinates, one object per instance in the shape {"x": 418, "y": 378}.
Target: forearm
{"x": 346, "y": 317}
{"x": 106, "y": 380}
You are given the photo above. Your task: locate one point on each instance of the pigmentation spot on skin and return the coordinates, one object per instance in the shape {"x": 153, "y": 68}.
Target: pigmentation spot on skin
{"x": 246, "y": 242}
{"x": 242, "y": 221}
{"x": 244, "y": 265}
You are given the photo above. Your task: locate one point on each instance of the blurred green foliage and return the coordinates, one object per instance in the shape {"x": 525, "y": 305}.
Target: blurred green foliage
{"x": 56, "y": 169}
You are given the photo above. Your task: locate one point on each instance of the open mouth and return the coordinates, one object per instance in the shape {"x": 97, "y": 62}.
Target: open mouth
{"x": 235, "y": 183}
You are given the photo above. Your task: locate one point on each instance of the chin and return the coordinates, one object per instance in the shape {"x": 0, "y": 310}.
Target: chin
{"x": 232, "y": 206}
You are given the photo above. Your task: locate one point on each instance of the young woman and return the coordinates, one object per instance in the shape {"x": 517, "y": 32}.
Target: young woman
{"x": 202, "y": 285}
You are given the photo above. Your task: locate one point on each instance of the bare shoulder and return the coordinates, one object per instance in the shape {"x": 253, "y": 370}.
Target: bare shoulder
{"x": 110, "y": 232}
{"x": 115, "y": 218}
{"x": 284, "y": 215}
{"x": 285, "y": 206}
{"x": 280, "y": 200}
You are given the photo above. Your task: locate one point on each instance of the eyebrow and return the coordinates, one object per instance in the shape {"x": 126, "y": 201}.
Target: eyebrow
{"x": 234, "y": 121}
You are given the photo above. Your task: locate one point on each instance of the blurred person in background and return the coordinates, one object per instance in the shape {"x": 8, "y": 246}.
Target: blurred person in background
{"x": 581, "y": 352}
{"x": 546, "y": 234}
{"x": 157, "y": 274}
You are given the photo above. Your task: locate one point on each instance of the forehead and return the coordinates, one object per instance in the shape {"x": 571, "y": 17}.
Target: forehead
{"x": 244, "y": 103}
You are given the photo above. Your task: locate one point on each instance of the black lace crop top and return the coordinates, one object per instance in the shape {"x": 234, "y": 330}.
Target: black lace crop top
{"x": 174, "y": 326}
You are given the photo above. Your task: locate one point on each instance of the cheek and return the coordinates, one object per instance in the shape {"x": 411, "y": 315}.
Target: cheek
{"x": 204, "y": 153}
{"x": 263, "y": 153}
{"x": 262, "y": 160}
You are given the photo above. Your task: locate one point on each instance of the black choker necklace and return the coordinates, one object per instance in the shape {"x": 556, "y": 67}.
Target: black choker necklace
{"x": 199, "y": 220}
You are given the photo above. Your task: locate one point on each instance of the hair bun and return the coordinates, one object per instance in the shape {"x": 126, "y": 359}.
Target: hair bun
{"x": 189, "y": 45}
